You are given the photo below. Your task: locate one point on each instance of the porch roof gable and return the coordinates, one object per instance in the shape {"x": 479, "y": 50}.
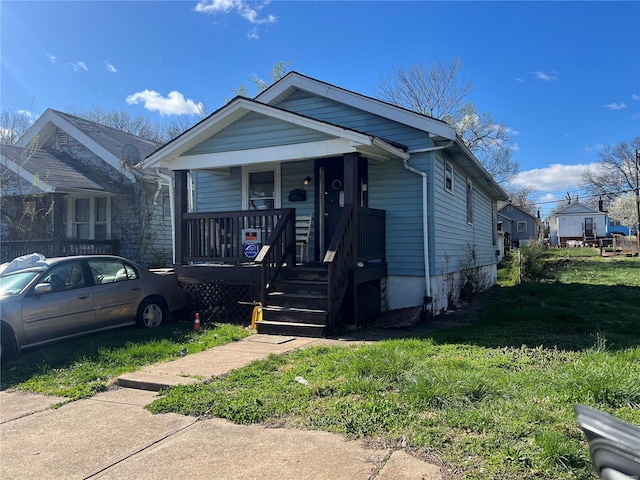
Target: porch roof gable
{"x": 336, "y": 140}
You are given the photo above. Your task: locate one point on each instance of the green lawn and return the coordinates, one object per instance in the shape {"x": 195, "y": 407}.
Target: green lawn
{"x": 493, "y": 399}
{"x": 82, "y": 367}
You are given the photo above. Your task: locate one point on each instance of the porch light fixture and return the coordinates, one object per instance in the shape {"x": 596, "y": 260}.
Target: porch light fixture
{"x": 307, "y": 180}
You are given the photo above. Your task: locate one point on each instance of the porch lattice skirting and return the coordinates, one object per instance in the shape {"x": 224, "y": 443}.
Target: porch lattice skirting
{"x": 217, "y": 302}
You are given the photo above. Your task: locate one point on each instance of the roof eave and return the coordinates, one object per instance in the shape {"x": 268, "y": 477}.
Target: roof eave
{"x": 278, "y": 90}
{"x": 459, "y": 144}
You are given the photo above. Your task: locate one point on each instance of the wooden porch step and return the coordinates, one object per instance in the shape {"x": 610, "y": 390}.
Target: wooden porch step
{"x": 307, "y": 273}
{"x": 298, "y": 300}
{"x": 290, "y": 328}
{"x": 298, "y": 303}
{"x": 303, "y": 287}
{"x": 293, "y": 314}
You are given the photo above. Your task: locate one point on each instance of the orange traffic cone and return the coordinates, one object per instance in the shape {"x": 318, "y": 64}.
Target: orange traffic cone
{"x": 196, "y": 322}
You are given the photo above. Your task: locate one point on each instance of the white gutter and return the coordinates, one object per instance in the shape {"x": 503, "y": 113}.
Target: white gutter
{"x": 170, "y": 184}
{"x": 425, "y": 222}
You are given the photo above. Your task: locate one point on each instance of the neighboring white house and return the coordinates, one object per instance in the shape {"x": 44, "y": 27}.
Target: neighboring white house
{"x": 576, "y": 222}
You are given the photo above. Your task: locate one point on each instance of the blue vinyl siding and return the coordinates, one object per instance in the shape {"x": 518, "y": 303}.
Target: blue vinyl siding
{"x": 391, "y": 186}
{"x": 255, "y": 131}
{"x": 398, "y": 191}
{"x": 333, "y": 112}
{"x": 516, "y": 215}
{"x": 218, "y": 192}
{"x": 293, "y": 174}
{"x": 451, "y": 231}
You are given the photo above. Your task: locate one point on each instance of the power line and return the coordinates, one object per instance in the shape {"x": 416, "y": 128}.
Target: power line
{"x": 586, "y": 196}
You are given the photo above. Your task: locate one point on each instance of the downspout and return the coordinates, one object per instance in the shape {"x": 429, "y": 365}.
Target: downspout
{"x": 425, "y": 222}
{"x": 169, "y": 183}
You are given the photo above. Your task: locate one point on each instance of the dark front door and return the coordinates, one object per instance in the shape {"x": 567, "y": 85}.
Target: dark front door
{"x": 332, "y": 189}
{"x": 588, "y": 227}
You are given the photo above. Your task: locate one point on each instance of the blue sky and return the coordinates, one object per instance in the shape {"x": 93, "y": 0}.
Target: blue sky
{"x": 564, "y": 77}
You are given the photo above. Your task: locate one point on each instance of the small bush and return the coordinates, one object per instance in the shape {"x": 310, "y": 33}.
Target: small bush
{"x": 524, "y": 264}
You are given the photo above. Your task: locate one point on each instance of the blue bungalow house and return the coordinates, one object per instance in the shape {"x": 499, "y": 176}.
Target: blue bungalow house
{"x": 521, "y": 226}
{"x": 403, "y": 214}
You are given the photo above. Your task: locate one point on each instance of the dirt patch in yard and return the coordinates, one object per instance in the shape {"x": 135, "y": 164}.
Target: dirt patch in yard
{"x": 412, "y": 322}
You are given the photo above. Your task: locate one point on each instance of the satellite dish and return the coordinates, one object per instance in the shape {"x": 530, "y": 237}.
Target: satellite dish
{"x": 131, "y": 154}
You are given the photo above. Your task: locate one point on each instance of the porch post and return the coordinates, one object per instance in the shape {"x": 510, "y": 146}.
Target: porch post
{"x": 352, "y": 203}
{"x": 351, "y": 192}
{"x": 180, "y": 207}
{"x": 351, "y": 187}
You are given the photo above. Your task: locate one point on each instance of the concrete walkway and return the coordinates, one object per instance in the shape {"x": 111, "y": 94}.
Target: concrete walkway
{"x": 111, "y": 435}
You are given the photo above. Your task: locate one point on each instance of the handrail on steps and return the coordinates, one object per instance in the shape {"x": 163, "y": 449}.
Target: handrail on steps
{"x": 341, "y": 259}
{"x": 280, "y": 249}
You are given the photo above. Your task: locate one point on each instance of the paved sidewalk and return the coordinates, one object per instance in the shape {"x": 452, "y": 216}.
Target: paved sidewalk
{"x": 216, "y": 361}
{"x": 112, "y": 436}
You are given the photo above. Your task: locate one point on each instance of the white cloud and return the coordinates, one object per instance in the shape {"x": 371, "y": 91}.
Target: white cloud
{"x": 547, "y": 77}
{"x": 635, "y": 97}
{"x": 519, "y": 80}
{"x": 26, "y": 113}
{"x": 615, "y": 106}
{"x": 110, "y": 67}
{"x": 248, "y": 11}
{"x": 51, "y": 58}
{"x": 555, "y": 177}
{"x": 77, "y": 66}
{"x": 593, "y": 148}
{"x": 174, "y": 104}
{"x": 253, "y": 34}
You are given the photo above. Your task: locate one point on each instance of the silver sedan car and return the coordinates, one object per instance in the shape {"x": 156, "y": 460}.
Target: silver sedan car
{"x": 43, "y": 300}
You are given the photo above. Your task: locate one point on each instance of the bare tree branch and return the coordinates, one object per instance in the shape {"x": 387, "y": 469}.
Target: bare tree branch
{"x": 438, "y": 90}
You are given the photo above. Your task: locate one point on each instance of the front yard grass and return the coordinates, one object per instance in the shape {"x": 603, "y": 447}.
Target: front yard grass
{"x": 492, "y": 400}
{"x": 82, "y": 367}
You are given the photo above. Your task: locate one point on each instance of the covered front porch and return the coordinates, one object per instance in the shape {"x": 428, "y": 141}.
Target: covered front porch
{"x": 230, "y": 261}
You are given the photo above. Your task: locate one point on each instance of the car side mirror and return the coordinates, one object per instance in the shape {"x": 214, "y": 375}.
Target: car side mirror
{"x": 42, "y": 288}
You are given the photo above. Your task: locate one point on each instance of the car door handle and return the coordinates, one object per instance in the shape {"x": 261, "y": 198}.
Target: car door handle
{"x": 83, "y": 297}
{"x": 135, "y": 288}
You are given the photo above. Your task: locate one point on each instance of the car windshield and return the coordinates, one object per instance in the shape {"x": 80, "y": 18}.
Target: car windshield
{"x": 14, "y": 283}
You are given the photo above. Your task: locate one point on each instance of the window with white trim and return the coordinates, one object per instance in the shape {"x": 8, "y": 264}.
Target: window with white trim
{"x": 90, "y": 218}
{"x": 261, "y": 188}
{"x": 522, "y": 227}
{"x": 82, "y": 219}
{"x": 448, "y": 177}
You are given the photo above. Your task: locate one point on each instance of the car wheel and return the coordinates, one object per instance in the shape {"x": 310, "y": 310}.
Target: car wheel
{"x": 151, "y": 313}
{"x": 7, "y": 344}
